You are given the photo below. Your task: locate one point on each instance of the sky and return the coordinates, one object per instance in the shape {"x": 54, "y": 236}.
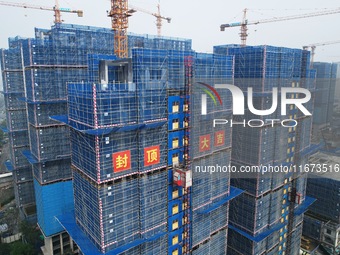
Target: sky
{"x": 196, "y": 20}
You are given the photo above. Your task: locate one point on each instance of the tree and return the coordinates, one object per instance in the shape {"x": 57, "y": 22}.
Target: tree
{"x": 2, "y": 124}
{"x": 11, "y": 218}
{"x": 29, "y": 233}
{"x": 5, "y": 249}
{"x": 19, "y": 248}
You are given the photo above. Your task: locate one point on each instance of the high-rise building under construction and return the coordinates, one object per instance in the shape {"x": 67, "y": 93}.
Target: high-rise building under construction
{"x": 119, "y": 147}
{"x": 267, "y": 217}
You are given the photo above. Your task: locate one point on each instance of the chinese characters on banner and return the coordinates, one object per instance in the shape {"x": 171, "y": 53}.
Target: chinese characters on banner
{"x": 219, "y": 138}
{"x": 122, "y": 159}
{"x": 151, "y": 155}
{"x": 205, "y": 141}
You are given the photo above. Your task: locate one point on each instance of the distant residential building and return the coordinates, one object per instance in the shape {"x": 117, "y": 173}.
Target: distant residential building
{"x": 322, "y": 220}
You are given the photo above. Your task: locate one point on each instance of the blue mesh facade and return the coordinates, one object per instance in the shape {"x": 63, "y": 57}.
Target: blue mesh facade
{"x": 210, "y": 150}
{"x": 238, "y": 244}
{"x": 322, "y": 220}
{"x": 128, "y": 207}
{"x": 50, "y": 60}
{"x": 325, "y": 91}
{"x": 106, "y": 119}
{"x": 113, "y": 106}
{"x": 217, "y": 245}
{"x": 49, "y": 204}
{"x": 266, "y": 211}
{"x": 312, "y": 228}
{"x": 147, "y": 109}
{"x": 325, "y": 190}
{"x": 51, "y": 171}
{"x": 16, "y": 117}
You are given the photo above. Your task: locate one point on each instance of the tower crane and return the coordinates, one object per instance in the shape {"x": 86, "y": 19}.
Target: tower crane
{"x": 158, "y": 16}
{"x": 56, "y": 9}
{"x": 244, "y": 23}
{"x": 119, "y": 14}
{"x": 313, "y": 47}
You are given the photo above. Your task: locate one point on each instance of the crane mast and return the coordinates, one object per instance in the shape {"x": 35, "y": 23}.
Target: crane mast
{"x": 159, "y": 20}
{"x": 119, "y": 14}
{"x": 57, "y": 14}
{"x": 313, "y": 47}
{"x": 158, "y": 16}
{"x": 244, "y": 29}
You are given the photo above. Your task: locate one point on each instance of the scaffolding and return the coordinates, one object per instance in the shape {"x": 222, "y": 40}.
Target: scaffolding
{"x": 125, "y": 118}
{"x": 135, "y": 121}
{"x": 52, "y": 171}
{"x": 101, "y": 106}
{"x": 312, "y": 227}
{"x": 33, "y": 71}
{"x": 128, "y": 208}
{"x": 325, "y": 188}
{"x": 141, "y": 106}
{"x": 216, "y": 245}
{"x": 16, "y": 116}
{"x": 50, "y": 143}
{"x": 239, "y": 244}
{"x": 325, "y": 90}
{"x": 210, "y": 147}
{"x": 265, "y": 204}
{"x": 35, "y": 74}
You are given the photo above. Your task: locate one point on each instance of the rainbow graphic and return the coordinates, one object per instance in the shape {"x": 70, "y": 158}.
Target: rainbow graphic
{"x": 211, "y": 91}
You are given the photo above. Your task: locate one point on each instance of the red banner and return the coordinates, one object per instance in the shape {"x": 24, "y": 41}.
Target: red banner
{"x": 204, "y": 143}
{"x": 219, "y": 138}
{"x": 121, "y": 161}
{"x": 151, "y": 155}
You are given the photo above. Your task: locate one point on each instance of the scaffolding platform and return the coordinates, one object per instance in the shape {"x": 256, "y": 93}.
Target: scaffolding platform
{"x": 39, "y": 113}
{"x": 212, "y": 217}
{"x": 259, "y": 214}
{"x": 244, "y": 243}
{"x": 152, "y": 245}
{"x": 13, "y": 102}
{"x": 203, "y": 225}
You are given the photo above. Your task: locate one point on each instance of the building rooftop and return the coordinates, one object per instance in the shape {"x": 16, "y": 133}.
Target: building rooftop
{"x": 332, "y": 162}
